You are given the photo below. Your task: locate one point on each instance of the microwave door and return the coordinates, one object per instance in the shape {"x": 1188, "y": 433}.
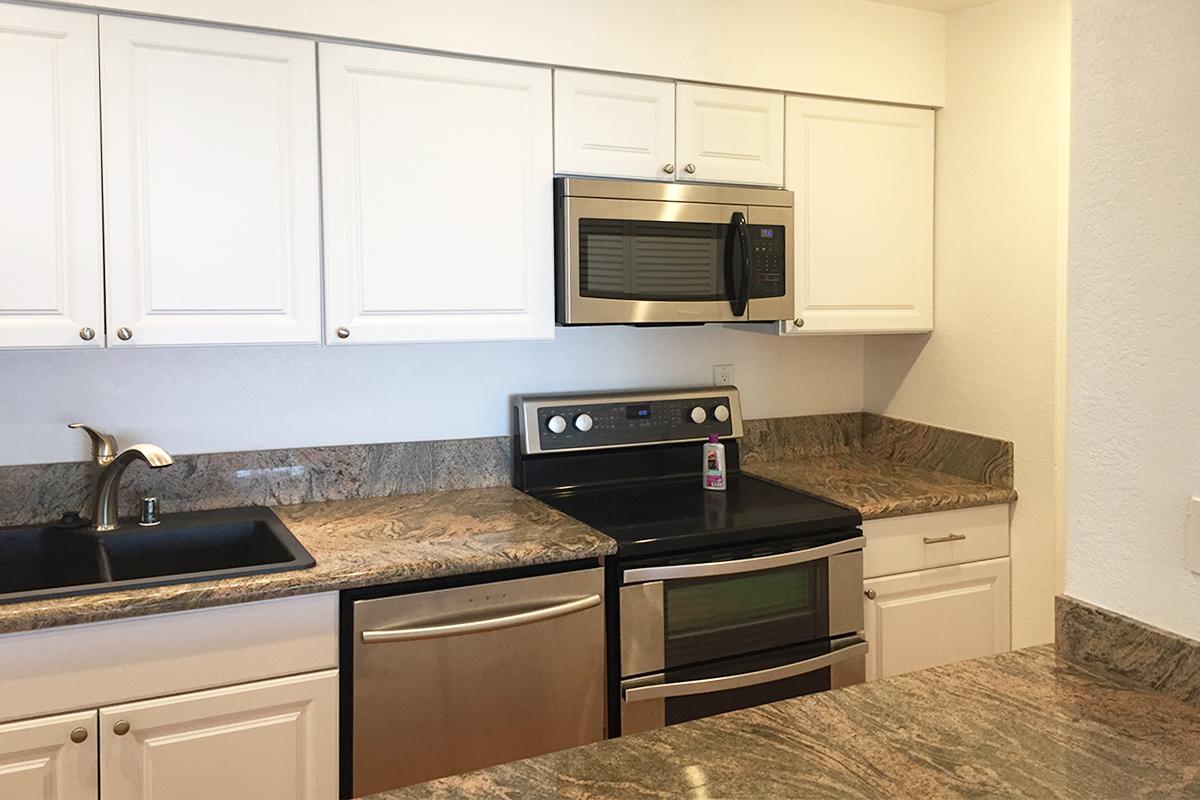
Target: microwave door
{"x": 645, "y": 262}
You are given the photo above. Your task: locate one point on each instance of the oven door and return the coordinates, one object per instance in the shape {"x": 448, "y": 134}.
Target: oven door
{"x": 643, "y": 261}
{"x": 688, "y": 693}
{"x": 737, "y": 602}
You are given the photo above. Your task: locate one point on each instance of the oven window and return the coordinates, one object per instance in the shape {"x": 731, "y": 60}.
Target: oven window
{"x": 644, "y": 260}
{"x": 708, "y": 618}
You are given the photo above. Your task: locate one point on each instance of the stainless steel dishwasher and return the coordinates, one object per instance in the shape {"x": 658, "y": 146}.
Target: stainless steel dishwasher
{"x": 458, "y": 679}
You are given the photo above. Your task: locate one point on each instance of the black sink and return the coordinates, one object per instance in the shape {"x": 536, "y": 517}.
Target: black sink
{"x": 58, "y": 560}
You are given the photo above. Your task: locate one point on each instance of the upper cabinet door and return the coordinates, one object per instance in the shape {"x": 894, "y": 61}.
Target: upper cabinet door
{"x": 729, "y": 135}
{"x": 610, "y": 125}
{"x": 51, "y": 269}
{"x": 210, "y": 185}
{"x": 863, "y": 178}
{"x": 438, "y": 198}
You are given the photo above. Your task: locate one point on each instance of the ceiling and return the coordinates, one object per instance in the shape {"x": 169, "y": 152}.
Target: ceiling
{"x": 942, "y": 6}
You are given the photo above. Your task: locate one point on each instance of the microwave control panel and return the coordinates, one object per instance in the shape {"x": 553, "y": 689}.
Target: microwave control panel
{"x": 768, "y": 260}
{"x": 585, "y": 423}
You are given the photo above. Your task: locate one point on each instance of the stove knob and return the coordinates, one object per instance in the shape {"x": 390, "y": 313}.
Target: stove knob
{"x": 698, "y": 415}
{"x": 556, "y": 424}
{"x": 583, "y": 422}
{"x": 721, "y": 414}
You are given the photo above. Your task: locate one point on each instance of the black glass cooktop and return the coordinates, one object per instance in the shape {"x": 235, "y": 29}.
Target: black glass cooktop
{"x": 665, "y": 515}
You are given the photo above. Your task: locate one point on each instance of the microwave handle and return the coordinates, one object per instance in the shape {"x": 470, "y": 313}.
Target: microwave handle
{"x": 739, "y": 288}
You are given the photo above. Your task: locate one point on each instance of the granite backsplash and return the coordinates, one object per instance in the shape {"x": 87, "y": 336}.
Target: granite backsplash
{"x": 37, "y": 493}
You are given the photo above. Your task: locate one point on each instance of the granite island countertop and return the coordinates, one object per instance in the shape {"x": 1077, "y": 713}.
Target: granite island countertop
{"x": 878, "y": 486}
{"x": 1020, "y": 724}
{"x": 360, "y": 542}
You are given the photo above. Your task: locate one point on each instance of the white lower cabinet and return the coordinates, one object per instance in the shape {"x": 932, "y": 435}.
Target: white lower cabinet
{"x": 271, "y": 739}
{"x": 922, "y": 619}
{"x": 89, "y": 711}
{"x": 50, "y": 758}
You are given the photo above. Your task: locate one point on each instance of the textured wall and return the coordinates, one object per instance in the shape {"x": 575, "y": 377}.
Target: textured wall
{"x": 205, "y": 400}
{"x": 1134, "y": 308}
{"x": 991, "y": 365}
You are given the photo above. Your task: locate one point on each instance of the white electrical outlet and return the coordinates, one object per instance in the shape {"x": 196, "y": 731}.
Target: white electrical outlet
{"x": 1194, "y": 536}
{"x": 722, "y": 374}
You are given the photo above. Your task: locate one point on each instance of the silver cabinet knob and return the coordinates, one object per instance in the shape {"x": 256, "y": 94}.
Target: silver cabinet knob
{"x": 690, "y": 169}
{"x": 343, "y": 332}
{"x": 79, "y": 735}
{"x": 124, "y": 334}
{"x": 87, "y": 334}
{"x": 120, "y": 727}
{"x": 668, "y": 168}
{"x": 870, "y": 593}
{"x": 798, "y": 322}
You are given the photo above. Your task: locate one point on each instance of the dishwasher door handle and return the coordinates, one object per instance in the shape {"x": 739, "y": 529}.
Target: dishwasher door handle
{"x": 725, "y": 683}
{"x": 481, "y": 625}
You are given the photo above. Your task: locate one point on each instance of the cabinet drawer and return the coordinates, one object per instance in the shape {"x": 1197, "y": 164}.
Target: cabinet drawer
{"x": 922, "y": 541}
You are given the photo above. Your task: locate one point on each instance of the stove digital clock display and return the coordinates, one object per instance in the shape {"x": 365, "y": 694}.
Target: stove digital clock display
{"x": 641, "y": 411}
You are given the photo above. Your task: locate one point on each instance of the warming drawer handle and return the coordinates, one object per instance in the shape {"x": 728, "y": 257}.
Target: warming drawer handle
{"x": 727, "y": 682}
{"x": 481, "y": 625}
{"x": 733, "y": 567}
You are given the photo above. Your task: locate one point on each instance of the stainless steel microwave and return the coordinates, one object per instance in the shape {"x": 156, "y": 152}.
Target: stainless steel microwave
{"x": 642, "y": 253}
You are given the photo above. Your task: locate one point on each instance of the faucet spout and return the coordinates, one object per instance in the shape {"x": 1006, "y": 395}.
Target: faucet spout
{"x": 108, "y": 483}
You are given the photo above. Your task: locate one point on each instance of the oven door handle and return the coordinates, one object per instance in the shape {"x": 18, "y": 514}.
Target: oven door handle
{"x": 725, "y": 683}
{"x": 733, "y": 567}
{"x": 481, "y": 625}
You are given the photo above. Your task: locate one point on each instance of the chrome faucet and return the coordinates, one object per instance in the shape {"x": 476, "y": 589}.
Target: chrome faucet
{"x": 112, "y": 464}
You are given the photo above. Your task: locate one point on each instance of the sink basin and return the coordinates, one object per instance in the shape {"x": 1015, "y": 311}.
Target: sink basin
{"x": 57, "y": 561}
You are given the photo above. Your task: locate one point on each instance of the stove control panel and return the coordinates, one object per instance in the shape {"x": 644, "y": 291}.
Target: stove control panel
{"x": 551, "y": 423}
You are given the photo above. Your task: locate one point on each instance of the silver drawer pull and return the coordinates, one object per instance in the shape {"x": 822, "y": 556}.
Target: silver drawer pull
{"x": 734, "y": 566}
{"x": 727, "y": 682}
{"x": 950, "y": 537}
{"x": 481, "y": 625}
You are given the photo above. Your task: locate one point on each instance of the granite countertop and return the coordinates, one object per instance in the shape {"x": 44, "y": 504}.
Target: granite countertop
{"x": 878, "y": 486}
{"x": 1020, "y": 724}
{"x": 357, "y": 543}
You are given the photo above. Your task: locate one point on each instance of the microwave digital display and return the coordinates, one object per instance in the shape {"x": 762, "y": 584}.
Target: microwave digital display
{"x": 766, "y": 233}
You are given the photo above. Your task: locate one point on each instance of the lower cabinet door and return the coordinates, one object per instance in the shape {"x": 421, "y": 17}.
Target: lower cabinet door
{"x": 923, "y": 619}
{"x": 50, "y": 757}
{"x": 271, "y": 739}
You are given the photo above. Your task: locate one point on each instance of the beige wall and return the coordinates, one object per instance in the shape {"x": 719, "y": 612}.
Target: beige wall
{"x": 1134, "y": 309}
{"x": 850, "y": 48}
{"x": 992, "y": 364}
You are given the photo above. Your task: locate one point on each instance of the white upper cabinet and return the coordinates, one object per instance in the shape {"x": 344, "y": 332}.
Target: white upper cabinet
{"x": 863, "y": 179}
{"x": 612, "y": 125}
{"x": 728, "y": 135}
{"x": 210, "y": 185}
{"x": 437, "y": 174}
{"x": 51, "y": 270}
